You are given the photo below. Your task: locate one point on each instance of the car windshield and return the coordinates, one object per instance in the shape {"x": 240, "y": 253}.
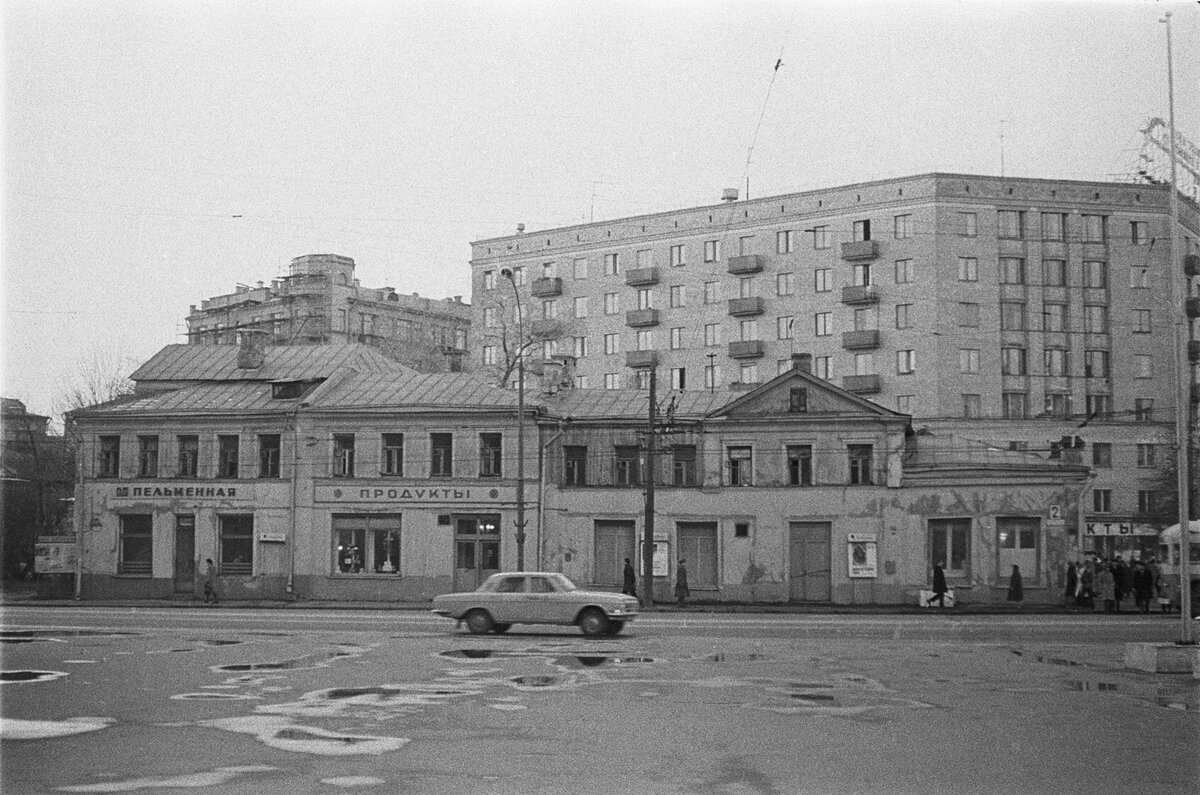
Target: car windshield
{"x": 514, "y": 583}
{"x": 561, "y": 583}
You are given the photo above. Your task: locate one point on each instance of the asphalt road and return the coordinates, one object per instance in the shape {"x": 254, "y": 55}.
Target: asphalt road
{"x": 99, "y": 699}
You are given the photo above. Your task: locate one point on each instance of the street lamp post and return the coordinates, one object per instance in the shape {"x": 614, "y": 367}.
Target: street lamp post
{"x": 508, "y": 274}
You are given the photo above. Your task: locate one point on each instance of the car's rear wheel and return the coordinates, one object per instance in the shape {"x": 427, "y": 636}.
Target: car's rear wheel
{"x": 615, "y": 627}
{"x": 501, "y": 628}
{"x": 593, "y": 622}
{"x": 479, "y": 622}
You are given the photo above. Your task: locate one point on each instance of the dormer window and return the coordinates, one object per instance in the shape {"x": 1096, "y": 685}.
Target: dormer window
{"x": 798, "y": 400}
{"x": 290, "y": 390}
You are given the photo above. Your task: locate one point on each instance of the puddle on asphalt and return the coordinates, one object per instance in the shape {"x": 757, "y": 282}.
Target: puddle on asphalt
{"x": 724, "y": 657}
{"x": 591, "y": 660}
{"x": 31, "y": 635}
{"x": 205, "y": 779}
{"x": 278, "y": 732}
{"x": 17, "y": 729}
{"x": 536, "y": 681}
{"x": 213, "y": 697}
{"x": 298, "y": 663}
{"x": 31, "y": 676}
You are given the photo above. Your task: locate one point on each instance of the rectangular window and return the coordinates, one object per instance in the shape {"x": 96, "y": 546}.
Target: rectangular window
{"x": 746, "y": 287}
{"x": 820, "y": 237}
{"x": 683, "y": 465}
{"x": 612, "y": 264}
{"x": 228, "y": 453}
{"x": 612, "y": 344}
{"x": 581, "y": 306}
{"x": 136, "y": 545}
{"x": 861, "y": 274}
{"x": 1143, "y": 409}
{"x": 862, "y": 230}
{"x": 189, "y": 456}
{"x": 1095, "y": 364}
{"x": 905, "y": 271}
{"x": 1056, "y": 362}
{"x": 822, "y": 324}
{"x": 549, "y": 309}
{"x": 785, "y": 241}
{"x": 1099, "y": 405}
{"x": 645, "y": 340}
{"x": 109, "y": 464}
{"x": 712, "y": 335}
{"x": 489, "y": 355}
{"x": 1102, "y": 500}
{"x": 612, "y": 381}
{"x": 797, "y": 400}
{"x": 1095, "y": 274}
{"x": 1095, "y": 228}
{"x": 800, "y": 464}
{"x": 972, "y": 406}
{"x": 579, "y": 268}
{"x": 783, "y": 327}
{"x": 367, "y": 544}
{"x": 1012, "y": 361}
{"x": 712, "y": 250}
{"x": 968, "y": 224}
{"x": 861, "y": 457}
{"x": 612, "y": 303}
{"x": 491, "y": 316}
{"x": 968, "y": 360}
{"x": 1139, "y": 278}
{"x": 1012, "y": 270}
{"x": 746, "y": 245}
{"x": 518, "y": 276}
{"x": 1147, "y": 501}
{"x": 1139, "y": 233}
{"x": 823, "y": 367}
{"x": 1053, "y": 226}
{"x": 710, "y": 293}
{"x": 393, "y": 454}
{"x": 1015, "y": 405}
{"x": 822, "y": 283}
{"x": 678, "y": 257}
{"x": 749, "y": 373}
{"x": 712, "y": 376}
{"x": 1143, "y": 365}
{"x": 645, "y": 258}
{"x": 1095, "y": 319}
{"x": 950, "y": 546}
{"x": 1054, "y": 272}
{"x": 968, "y": 315}
{"x": 441, "y": 455}
{"x": 748, "y": 330}
{"x": 269, "y": 455}
{"x": 343, "y": 455}
{"x": 1141, "y": 321}
{"x": 645, "y": 298}
{"x": 490, "y": 455}
{"x": 236, "y": 540}
{"x": 1147, "y": 455}
{"x": 968, "y": 269}
{"x": 864, "y": 364}
{"x": 1010, "y": 224}
{"x": 678, "y": 296}
{"x": 579, "y": 347}
{"x": 489, "y": 280}
{"x": 1102, "y": 455}
{"x": 677, "y": 336}
{"x": 1012, "y": 316}
{"x": 1054, "y": 317}
{"x": 904, "y": 404}
{"x": 902, "y": 315}
{"x": 1058, "y": 405}
{"x": 739, "y": 465}
{"x": 678, "y": 378}
{"x": 147, "y": 456}
{"x": 906, "y": 362}
{"x": 628, "y": 471}
{"x": 574, "y": 465}
{"x": 784, "y": 284}
{"x": 904, "y": 226}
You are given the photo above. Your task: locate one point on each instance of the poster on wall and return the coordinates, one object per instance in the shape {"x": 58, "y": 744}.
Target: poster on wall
{"x": 861, "y": 554}
{"x": 662, "y": 560}
{"x": 55, "y": 555}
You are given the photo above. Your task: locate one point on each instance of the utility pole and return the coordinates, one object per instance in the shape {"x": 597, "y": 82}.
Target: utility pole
{"x": 508, "y": 274}
{"x": 651, "y": 466}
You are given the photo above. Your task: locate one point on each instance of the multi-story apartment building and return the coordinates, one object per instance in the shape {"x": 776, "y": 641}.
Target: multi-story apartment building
{"x": 320, "y": 301}
{"x": 1013, "y": 311}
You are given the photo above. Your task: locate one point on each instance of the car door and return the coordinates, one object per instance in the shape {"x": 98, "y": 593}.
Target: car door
{"x": 550, "y": 605}
{"x": 510, "y": 600}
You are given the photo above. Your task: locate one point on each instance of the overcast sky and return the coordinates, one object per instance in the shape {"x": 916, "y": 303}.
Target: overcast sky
{"x": 159, "y": 153}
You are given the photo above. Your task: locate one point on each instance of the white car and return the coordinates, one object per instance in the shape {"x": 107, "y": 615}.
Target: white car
{"x": 536, "y": 597}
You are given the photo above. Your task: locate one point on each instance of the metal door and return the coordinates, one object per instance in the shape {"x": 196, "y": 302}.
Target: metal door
{"x": 810, "y": 561}
{"x": 1017, "y": 545}
{"x": 476, "y": 550}
{"x": 185, "y": 553}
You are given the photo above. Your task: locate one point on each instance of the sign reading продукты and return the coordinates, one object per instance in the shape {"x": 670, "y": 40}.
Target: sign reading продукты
{"x": 416, "y": 495}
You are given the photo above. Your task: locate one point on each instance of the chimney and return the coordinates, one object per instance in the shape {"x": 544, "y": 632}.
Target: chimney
{"x": 567, "y": 379}
{"x": 454, "y": 361}
{"x": 251, "y": 349}
{"x": 802, "y": 362}
{"x": 729, "y": 195}
{"x": 551, "y": 376}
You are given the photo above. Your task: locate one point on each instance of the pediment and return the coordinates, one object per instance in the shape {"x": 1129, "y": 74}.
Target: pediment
{"x": 817, "y": 398}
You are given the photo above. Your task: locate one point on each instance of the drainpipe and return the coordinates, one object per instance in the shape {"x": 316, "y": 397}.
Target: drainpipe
{"x": 291, "y": 584}
{"x": 541, "y": 509}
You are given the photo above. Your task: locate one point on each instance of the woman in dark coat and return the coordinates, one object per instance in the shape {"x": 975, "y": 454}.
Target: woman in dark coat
{"x": 1143, "y": 586}
{"x": 681, "y": 583}
{"x": 1072, "y": 582}
{"x": 630, "y": 580}
{"x": 939, "y": 586}
{"x": 1016, "y": 591}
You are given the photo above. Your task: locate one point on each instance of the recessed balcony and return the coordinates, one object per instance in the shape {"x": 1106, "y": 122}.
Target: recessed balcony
{"x": 746, "y": 263}
{"x": 862, "y": 384}
{"x": 641, "y": 358}
{"x": 860, "y": 295}
{"x": 641, "y": 277}
{"x": 546, "y": 287}
{"x": 860, "y": 340}
{"x": 746, "y": 349}
{"x": 544, "y": 328}
{"x": 745, "y": 307}
{"x": 639, "y": 318}
{"x": 860, "y": 250}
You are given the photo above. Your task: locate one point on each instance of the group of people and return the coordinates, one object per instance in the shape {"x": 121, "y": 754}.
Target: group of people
{"x": 629, "y": 584}
{"x": 1105, "y": 583}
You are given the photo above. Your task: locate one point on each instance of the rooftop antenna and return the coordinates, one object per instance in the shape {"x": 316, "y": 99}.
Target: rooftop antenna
{"x": 1002, "y": 147}
{"x": 767, "y": 99}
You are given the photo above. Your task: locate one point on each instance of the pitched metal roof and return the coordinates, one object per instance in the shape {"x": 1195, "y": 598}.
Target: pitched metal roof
{"x": 632, "y": 402}
{"x": 232, "y": 397}
{"x": 410, "y": 389}
{"x": 281, "y": 363}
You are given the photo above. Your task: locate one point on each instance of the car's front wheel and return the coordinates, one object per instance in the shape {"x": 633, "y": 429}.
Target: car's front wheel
{"x": 593, "y": 622}
{"x": 479, "y": 622}
{"x": 615, "y": 627}
{"x": 500, "y": 629}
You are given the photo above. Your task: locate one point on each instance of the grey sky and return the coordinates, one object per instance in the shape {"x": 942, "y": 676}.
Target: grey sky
{"x": 160, "y": 153}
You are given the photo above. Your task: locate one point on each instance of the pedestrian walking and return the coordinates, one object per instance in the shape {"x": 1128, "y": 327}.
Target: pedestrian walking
{"x": 629, "y": 584}
{"x": 939, "y": 586}
{"x": 210, "y": 582}
{"x": 1143, "y": 586}
{"x": 1122, "y": 581}
{"x": 1016, "y": 590}
{"x": 1087, "y": 584}
{"x": 1069, "y": 592}
{"x": 1106, "y": 589}
{"x": 681, "y": 583}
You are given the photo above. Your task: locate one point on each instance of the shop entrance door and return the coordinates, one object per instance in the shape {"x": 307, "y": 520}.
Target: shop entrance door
{"x": 476, "y": 549}
{"x": 185, "y": 553}
{"x": 810, "y": 561}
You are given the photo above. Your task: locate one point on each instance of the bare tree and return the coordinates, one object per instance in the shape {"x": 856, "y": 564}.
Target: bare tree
{"x": 97, "y": 377}
{"x": 422, "y": 354}
{"x": 513, "y": 341}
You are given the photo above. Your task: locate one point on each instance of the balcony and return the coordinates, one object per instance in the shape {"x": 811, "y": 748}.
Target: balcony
{"x": 860, "y": 295}
{"x": 1192, "y": 305}
{"x": 641, "y": 277}
{"x": 639, "y": 318}
{"x": 746, "y": 263}
{"x": 546, "y": 287}
{"x": 545, "y": 328}
{"x": 860, "y": 250}
{"x": 641, "y": 358}
{"x": 860, "y": 340}
{"x": 862, "y": 384}
{"x": 746, "y": 307}
{"x": 746, "y": 349}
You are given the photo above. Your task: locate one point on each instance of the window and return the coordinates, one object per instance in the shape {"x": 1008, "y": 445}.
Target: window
{"x": 746, "y": 245}
{"x": 1095, "y": 228}
{"x": 268, "y": 455}
{"x": 343, "y": 455}
{"x": 1143, "y": 365}
{"x": 1054, "y": 272}
{"x": 489, "y": 280}
{"x": 579, "y": 268}
{"x": 581, "y": 306}
{"x": 710, "y": 293}
{"x": 822, "y": 283}
{"x": 393, "y": 454}
{"x": 1139, "y": 233}
{"x": 1012, "y": 361}
{"x": 628, "y": 472}
{"x": 678, "y": 296}
{"x": 797, "y": 400}
{"x": 1147, "y": 455}
{"x": 968, "y": 269}
{"x": 579, "y": 347}
{"x": 904, "y": 226}
{"x": 490, "y": 455}
{"x": 645, "y": 340}
{"x": 683, "y": 465}
{"x": 1139, "y": 278}
{"x": 862, "y": 230}
{"x": 612, "y": 303}
{"x": 712, "y": 376}
{"x": 1141, "y": 321}
{"x": 574, "y": 465}
{"x": 968, "y": 224}
{"x": 746, "y": 287}
{"x": 1147, "y": 501}
{"x": 677, "y": 337}
{"x": 441, "y": 455}
{"x": 1056, "y": 362}
{"x": 489, "y": 355}
{"x": 1099, "y": 405}
{"x": 799, "y": 464}
{"x": 823, "y": 367}
{"x": 549, "y": 309}
{"x": 581, "y": 382}
{"x": 905, "y": 271}
{"x": 612, "y": 264}
{"x": 784, "y": 284}
{"x": 236, "y": 541}
{"x": 968, "y": 360}
{"x": 1054, "y": 317}
{"x": 749, "y": 373}
{"x": 1102, "y": 455}
{"x": 1012, "y": 270}
{"x": 861, "y": 274}
{"x": 904, "y": 404}
{"x": 906, "y": 362}
{"x": 860, "y": 464}
{"x": 783, "y": 327}
{"x": 1012, "y": 316}
{"x": 902, "y": 315}
{"x": 1102, "y": 500}
{"x": 1095, "y": 364}
{"x": 1015, "y": 405}
{"x": 1143, "y": 409}
{"x": 1053, "y": 226}
{"x": 1095, "y": 274}
{"x": 110, "y": 457}
{"x": 367, "y": 544}
{"x": 785, "y": 241}
{"x": 678, "y": 378}
{"x": 950, "y": 545}
{"x": 136, "y": 552}
{"x": 147, "y": 456}
{"x": 712, "y": 335}
{"x": 189, "y": 456}
{"x": 612, "y": 344}
{"x": 748, "y": 330}
{"x": 712, "y": 250}
{"x": 491, "y": 317}
{"x": 864, "y": 364}
{"x": 738, "y": 464}
{"x": 227, "y": 456}
{"x": 782, "y": 366}
{"x": 820, "y": 237}
{"x": 972, "y": 406}
{"x": 1011, "y": 224}
{"x": 823, "y": 325}
{"x": 645, "y": 257}
{"x": 612, "y": 381}
{"x": 1058, "y": 405}
{"x": 968, "y": 315}
{"x": 1095, "y": 319}
{"x": 678, "y": 256}
{"x": 645, "y": 298}
{"x": 518, "y": 276}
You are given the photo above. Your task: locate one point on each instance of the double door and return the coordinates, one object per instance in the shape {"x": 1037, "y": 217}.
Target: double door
{"x": 476, "y": 549}
{"x": 810, "y": 562}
